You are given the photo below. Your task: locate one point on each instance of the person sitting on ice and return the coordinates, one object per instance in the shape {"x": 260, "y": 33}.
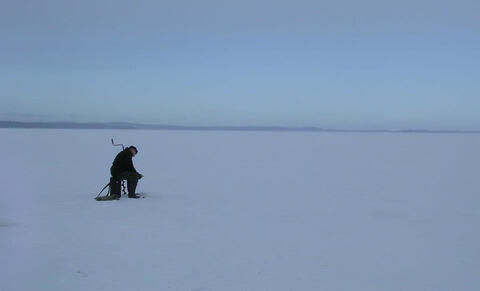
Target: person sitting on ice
{"x": 123, "y": 169}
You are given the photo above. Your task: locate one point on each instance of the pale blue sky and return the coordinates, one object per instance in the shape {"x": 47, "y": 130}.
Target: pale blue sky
{"x": 338, "y": 64}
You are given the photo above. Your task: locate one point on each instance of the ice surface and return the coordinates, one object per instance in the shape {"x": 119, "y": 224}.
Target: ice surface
{"x": 241, "y": 211}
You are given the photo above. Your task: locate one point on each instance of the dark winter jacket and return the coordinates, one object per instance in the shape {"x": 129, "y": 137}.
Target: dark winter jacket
{"x": 122, "y": 163}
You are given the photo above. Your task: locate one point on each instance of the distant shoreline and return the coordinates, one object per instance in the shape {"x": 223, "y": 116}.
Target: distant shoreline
{"x": 139, "y": 126}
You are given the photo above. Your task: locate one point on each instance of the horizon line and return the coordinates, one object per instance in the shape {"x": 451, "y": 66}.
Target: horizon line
{"x": 144, "y": 126}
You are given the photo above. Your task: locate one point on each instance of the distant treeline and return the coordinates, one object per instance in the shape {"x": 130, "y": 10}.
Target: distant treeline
{"x": 126, "y": 125}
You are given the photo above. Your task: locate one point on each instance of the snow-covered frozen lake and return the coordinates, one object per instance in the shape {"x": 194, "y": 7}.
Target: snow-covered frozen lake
{"x": 241, "y": 211}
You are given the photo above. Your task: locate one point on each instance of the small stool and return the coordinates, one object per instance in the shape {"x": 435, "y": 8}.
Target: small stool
{"x": 117, "y": 187}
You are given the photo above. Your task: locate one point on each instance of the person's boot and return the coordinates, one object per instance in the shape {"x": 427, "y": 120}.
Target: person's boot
{"x": 133, "y": 196}
{"x": 115, "y": 196}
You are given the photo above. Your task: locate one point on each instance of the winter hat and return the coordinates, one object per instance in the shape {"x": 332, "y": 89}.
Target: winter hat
{"x": 133, "y": 147}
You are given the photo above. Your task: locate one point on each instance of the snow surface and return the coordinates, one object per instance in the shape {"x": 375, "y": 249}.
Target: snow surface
{"x": 241, "y": 211}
